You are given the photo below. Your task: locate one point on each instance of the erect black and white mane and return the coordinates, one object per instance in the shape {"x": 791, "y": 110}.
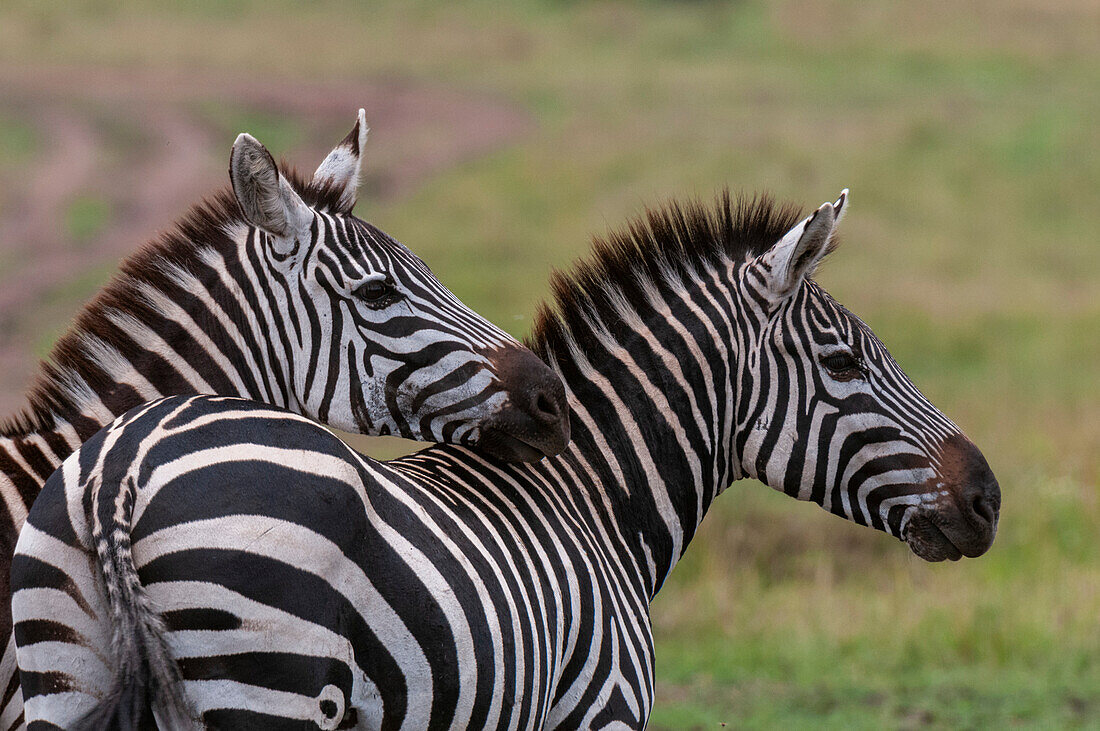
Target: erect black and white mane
{"x": 185, "y": 248}
{"x": 676, "y": 239}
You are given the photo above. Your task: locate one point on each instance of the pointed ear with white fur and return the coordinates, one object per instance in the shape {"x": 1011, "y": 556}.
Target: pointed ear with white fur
{"x": 795, "y": 256}
{"x": 266, "y": 198}
{"x": 342, "y": 166}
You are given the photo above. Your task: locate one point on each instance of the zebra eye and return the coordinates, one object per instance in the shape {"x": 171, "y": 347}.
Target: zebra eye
{"x": 842, "y": 366}
{"x": 377, "y": 293}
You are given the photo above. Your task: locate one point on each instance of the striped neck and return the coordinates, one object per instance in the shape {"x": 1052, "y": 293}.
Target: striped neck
{"x": 173, "y": 322}
{"x": 653, "y": 414}
{"x": 25, "y": 464}
{"x": 645, "y": 334}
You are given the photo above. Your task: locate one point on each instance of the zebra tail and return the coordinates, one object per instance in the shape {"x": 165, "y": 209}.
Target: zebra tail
{"x": 147, "y": 686}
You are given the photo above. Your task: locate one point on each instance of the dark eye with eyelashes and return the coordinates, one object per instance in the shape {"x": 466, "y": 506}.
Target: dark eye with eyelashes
{"x": 377, "y": 293}
{"x": 842, "y": 366}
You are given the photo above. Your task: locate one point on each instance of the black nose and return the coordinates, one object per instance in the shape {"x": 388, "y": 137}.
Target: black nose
{"x": 535, "y": 421}
{"x": 536, "y": 391}
{"x": 980, "y": 495}
{"x": 980, "y": 499}
{"x": 977, "y": 496}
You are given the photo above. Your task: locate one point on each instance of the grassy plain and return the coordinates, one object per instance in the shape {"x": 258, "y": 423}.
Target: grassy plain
{"x": 967, "y": 133}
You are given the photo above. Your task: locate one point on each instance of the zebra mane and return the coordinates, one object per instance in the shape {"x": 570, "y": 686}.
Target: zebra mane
{"x": 66, "y": 375}
{"x": 675, "y": 239}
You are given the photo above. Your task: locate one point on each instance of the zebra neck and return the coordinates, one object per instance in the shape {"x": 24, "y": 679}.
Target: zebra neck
{"x": 82, "y": 390}
{"x": 27, "y": 461}
{"x": 653, "y": 420}
{"x": 168, "y": 328}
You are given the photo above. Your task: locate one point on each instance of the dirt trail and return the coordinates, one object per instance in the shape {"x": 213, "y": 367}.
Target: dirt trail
{"x": 147, "y": 145}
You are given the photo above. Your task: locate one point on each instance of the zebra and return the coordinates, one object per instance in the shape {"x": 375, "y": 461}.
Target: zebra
{"x": 174, "y": 568}
{"x": 273, "y": 291}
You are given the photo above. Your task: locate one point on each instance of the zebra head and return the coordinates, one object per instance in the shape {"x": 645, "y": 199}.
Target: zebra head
{"x": 835, "y": 420}
{"x": 375, "y": 344}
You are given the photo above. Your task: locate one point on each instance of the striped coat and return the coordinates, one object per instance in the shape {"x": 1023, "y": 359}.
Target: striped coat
{"x": 246, "y": 583}
{"x": 277, "y": 293}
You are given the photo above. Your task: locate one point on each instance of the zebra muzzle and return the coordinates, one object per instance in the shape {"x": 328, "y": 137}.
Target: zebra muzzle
{"x": 963, "y": 522}
{"x": 534, "y": 422}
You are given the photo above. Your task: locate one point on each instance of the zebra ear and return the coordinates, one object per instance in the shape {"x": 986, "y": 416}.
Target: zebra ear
{"x": 266, "y": 198}
{"x": 342, "y": 166}
{"x": 798, "y": 253}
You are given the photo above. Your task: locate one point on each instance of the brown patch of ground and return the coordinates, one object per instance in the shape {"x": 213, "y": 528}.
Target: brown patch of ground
{"x": 145, "y": 146}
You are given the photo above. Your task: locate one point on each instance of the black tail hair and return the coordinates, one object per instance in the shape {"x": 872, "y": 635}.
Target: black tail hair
{"x": 147, "y": 686}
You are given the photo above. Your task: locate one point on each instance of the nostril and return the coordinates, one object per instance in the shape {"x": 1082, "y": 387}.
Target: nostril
{"x": 981, "y": 508}
{"x": 545, "y": 407}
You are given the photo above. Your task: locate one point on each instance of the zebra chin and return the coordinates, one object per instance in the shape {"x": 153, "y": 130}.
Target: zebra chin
{"x": 501, "y": 445}
{"x": 932, "y": 543}
{"x": 943, "y": 534}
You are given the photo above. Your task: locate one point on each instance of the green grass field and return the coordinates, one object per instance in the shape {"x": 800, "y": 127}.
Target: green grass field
{"x": 968, "y": 135}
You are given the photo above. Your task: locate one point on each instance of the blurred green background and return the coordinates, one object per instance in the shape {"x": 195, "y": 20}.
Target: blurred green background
{"x": 505, "y": 135}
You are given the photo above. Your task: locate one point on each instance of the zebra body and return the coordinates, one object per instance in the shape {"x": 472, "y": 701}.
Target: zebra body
{"x": 277, "y": 293}
{"x": 413, "y": 597}
{"x": 448, "y": 590}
